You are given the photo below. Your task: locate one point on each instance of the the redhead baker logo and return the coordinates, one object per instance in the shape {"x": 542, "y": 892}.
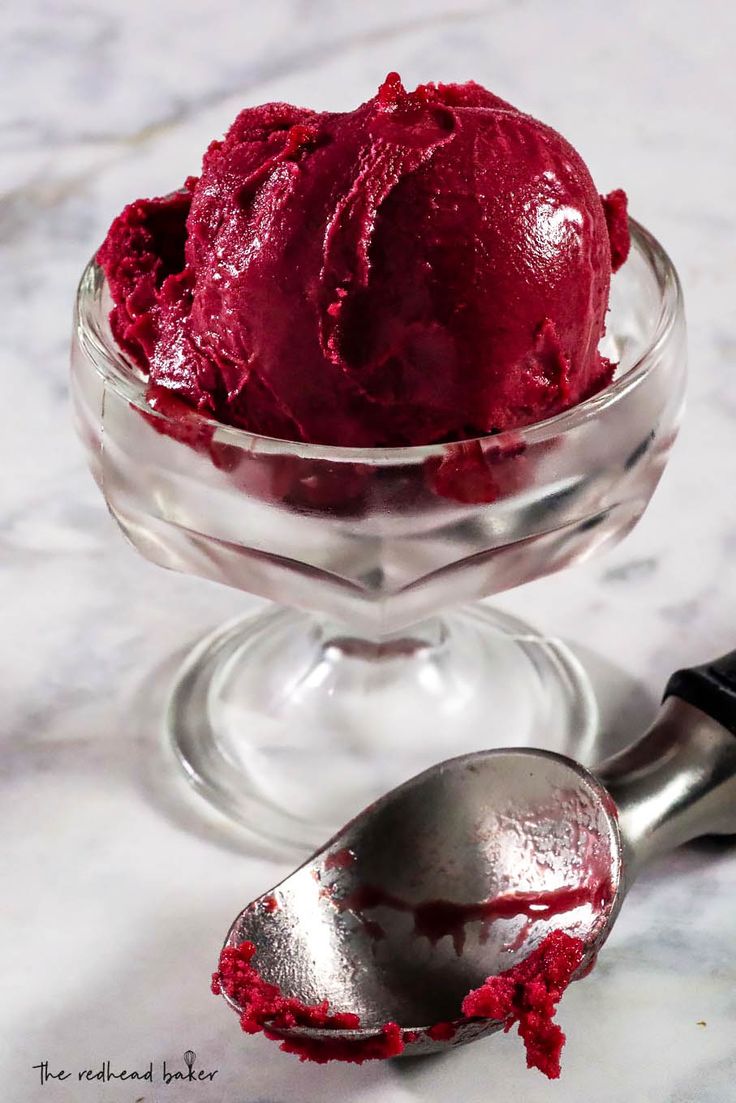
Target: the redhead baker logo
{"x": 107, "y": 1072}
{"x": 190, "y": 1074}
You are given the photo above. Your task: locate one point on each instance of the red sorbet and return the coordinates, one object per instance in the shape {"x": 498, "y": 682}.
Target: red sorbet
{"x": 264, "y": 1008}
{"x": 528, "y": 994}
{"x": 435, "y": 919}
{"x": 432, "y": 266}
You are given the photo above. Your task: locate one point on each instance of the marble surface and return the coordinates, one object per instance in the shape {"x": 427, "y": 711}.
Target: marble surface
{"x": 116, "y": 887}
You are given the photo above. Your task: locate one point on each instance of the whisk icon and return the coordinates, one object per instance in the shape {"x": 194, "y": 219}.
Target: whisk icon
{"x": 190, "y": 1057}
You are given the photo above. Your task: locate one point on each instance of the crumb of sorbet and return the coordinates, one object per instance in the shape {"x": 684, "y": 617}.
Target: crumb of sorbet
{"x": 265, "y": 1009}
{"x": 441, "y": 1032}
{"x": 615, "y": 208}
{"x": 528, "y": 994}
{"x": 388, "y": 1043}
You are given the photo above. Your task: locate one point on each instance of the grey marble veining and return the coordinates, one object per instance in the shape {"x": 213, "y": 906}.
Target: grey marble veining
{"x": 117, "y": 889}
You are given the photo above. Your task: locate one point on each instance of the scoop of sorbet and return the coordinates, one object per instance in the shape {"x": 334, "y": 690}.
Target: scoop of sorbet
{"x": 432, "y": 266}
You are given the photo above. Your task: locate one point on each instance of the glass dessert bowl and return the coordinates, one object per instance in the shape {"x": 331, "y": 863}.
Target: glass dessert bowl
{"x": 370, "y": 668}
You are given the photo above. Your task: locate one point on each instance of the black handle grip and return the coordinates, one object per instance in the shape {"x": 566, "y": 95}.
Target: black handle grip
{"x": 710, "y": 688}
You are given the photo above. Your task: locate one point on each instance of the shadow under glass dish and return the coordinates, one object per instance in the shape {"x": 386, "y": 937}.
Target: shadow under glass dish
{"x": 292, "y": 720}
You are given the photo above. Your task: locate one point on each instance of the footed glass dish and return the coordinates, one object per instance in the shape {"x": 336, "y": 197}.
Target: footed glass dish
{"x": 374, "y": 663}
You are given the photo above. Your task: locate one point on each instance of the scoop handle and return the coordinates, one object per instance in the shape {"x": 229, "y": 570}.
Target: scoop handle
{"x": 710, "y": 688}
{"x": 679, "y": 781}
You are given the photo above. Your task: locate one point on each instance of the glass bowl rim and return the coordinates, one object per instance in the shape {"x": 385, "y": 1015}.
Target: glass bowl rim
{"x": 115, "y": 368}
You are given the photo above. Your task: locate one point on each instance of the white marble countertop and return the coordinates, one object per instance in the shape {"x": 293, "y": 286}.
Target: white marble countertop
{"x": 116, "y": 888}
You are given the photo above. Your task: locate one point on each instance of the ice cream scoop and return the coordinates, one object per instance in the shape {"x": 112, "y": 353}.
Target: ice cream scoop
{"x": 465, "y": 871}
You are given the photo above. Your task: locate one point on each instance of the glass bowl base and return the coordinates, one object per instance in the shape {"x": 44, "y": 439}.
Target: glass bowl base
{"x": 290, "y": 726}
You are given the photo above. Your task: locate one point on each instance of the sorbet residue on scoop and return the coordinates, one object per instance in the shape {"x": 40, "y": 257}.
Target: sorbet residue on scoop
{"x": 265, "y": 1009}
{"x": 528, "y": 994}
{"x": 436, "y": 919}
